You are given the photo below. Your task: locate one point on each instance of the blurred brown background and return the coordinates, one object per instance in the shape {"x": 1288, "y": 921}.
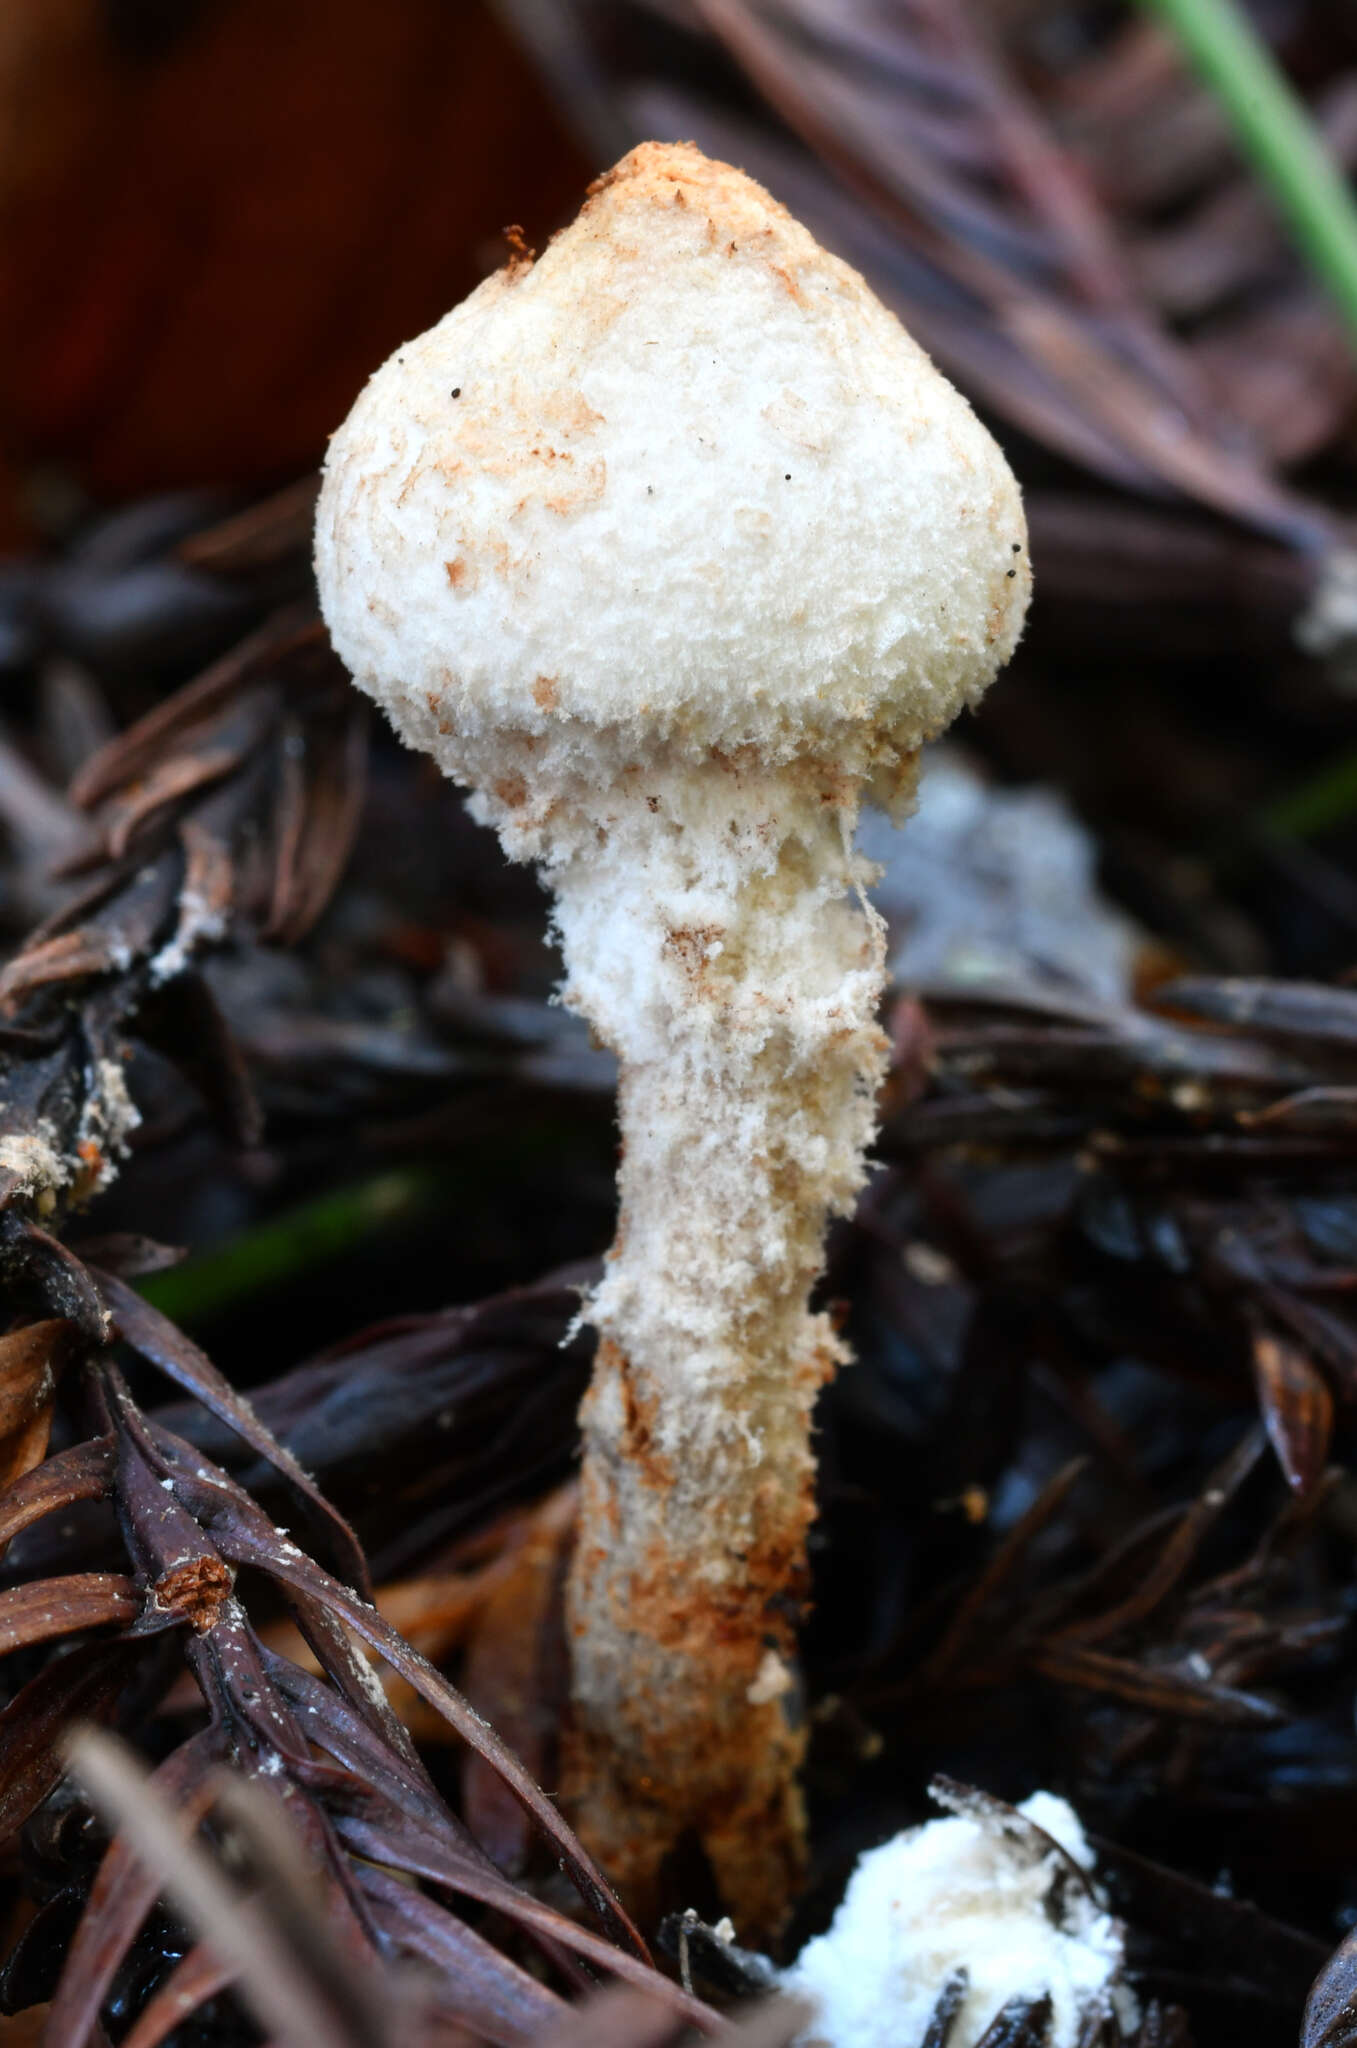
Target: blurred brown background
{"x": 216, "y": 217}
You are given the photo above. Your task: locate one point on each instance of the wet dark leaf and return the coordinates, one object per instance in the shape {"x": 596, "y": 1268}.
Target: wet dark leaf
{"x": 1159, "y": 1690}
{"x": 943, "y": 2020}
{"x": 260, "y": 537}
{"x": 157, "y": 1339}
{"x": 84, "y": 1472}
{"x": 493, "y": 1995}
{"x": 1023, "y": 2023}
{"x": 61, "y": 1607}
{"x": 127, "y": 1254}
{"x": 135, "y": 752}
{"x": 305, "y": 1989}
{"x": 183, "y": 1020}
{"x": 1309, "y": 1012}
{"x": 1160, "y": 1578}
{"x": 30, "y": 1360}
{"x": 515, "y": 1676}
{"x": 82, "y": 1684}
{"x": 323, "y": 780}
{"x": 122, "y": 1895}
{"x": 61, "y": 1279}
{"x": 1297, "y": 1408}
{"x": 1331, "y": 2009}
{"x": 1005, "y": 1558}
{"x": 1275, "y": 1961}
{"x": 189, "y": 1986}
{"x": 408, "y": 1844}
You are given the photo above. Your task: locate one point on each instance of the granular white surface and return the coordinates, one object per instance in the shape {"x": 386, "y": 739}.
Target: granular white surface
{"x": 959, "y": 1894}
{"x": 685, "y": 482}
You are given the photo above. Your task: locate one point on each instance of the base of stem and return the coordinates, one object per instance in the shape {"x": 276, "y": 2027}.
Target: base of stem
{"x": 737, "y": 1800}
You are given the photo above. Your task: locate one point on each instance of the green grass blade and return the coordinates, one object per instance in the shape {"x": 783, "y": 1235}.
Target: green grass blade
{"x": 1278, "y": 135}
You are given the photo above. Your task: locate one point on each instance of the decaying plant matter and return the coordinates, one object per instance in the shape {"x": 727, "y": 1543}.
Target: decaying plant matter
{"x": 1054, "y": 1547}
{"x": 1170, "y": 1641}
{"x": 1057, "y": 211}
{"x": 174, "y": 859}
{"x": 188, "y": 800}
{"x": 671, "y": 603}
{"x": 365, "y": 1815}
{"x": 176, "y": 863}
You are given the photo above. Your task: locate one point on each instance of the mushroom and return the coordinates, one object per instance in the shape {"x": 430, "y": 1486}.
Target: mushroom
{"x": 673, "y": 546}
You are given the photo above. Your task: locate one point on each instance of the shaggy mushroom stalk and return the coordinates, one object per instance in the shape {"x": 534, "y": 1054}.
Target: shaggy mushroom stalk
{"x": 718, "y": 940}
{"x": 672, "y": 547}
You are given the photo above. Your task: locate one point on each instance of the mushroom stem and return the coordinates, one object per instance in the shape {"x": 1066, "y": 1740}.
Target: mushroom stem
{"x": 716, "y": 935}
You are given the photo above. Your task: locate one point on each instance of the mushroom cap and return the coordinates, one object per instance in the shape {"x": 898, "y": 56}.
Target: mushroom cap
{"x": 683, "y": 486}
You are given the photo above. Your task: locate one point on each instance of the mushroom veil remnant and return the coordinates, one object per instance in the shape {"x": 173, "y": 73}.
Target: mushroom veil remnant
{"x": 672, "y": 546}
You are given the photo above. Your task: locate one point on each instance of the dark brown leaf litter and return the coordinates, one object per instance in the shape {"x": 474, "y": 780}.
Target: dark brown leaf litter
{"x": 1088, "y": 1500}
{"x": 1055, "y": 1548}
{"x": 1123, "y": 1611}
{"x": 1002, "y": 174}
{"x": 185, "y": 1531}
{"x": 228, "y": 808}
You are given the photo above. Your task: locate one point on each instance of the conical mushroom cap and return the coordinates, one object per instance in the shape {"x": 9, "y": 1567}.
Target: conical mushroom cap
{"x": 683, "y": 485}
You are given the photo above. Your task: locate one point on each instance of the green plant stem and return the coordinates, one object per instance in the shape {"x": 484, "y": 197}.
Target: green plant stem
{"x": 1277, "y": 133}
{"x": 301, "y": 1240}
{"x": 1325, "y": 800}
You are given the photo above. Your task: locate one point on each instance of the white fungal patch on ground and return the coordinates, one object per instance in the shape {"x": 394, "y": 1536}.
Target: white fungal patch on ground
{"x": 107, "y": 1122}
{"x": 200, "y": 923}
{"x": 34, "y": 1160}
{"x": 961, "y": 1894}
{"x": 42, "y": 1169}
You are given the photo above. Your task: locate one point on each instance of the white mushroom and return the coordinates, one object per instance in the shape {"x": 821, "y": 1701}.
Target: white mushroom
{"x": 671, "y": 546}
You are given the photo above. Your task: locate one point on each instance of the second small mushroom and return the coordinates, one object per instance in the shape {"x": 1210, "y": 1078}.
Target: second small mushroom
{"x": 673, "y": 546}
